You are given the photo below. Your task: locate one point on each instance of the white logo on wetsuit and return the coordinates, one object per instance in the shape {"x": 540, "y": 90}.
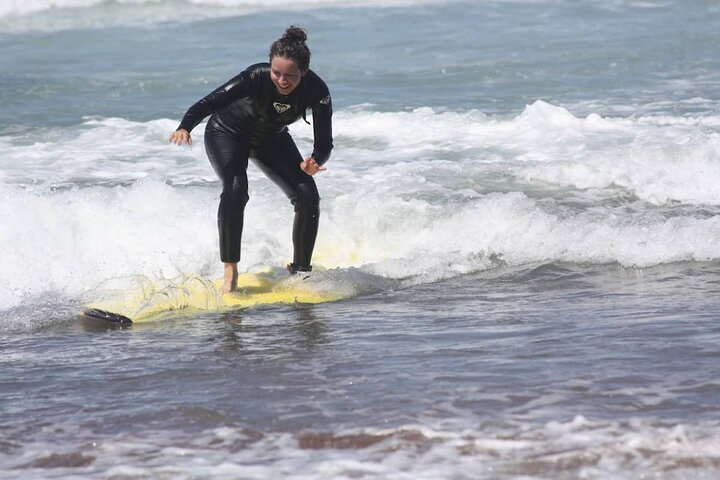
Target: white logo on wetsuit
{"x": 326, "y": 100}
{"x": 281, "y": 107}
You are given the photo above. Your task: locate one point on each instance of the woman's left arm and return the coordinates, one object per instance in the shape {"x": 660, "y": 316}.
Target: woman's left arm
{"x": 322, "y": 128}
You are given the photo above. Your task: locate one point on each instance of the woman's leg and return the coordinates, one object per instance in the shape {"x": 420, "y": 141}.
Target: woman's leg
{"x": 280, "y": 160}
{"x": 228, "y": 155}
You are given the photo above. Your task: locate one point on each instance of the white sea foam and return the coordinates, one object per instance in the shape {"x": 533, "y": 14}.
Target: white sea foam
{"x": 577, "y": 448}
{"x": 50, "y": 15}
{"x": 24, "y": 7}
{"x": 68, "y": 241}
{"x": 659, "y": 159}
{"x": 103, "y": 151}
{"x": 417, "y": 195}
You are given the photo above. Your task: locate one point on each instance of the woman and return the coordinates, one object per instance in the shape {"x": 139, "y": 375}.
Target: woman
{"x": 249, "y": 118}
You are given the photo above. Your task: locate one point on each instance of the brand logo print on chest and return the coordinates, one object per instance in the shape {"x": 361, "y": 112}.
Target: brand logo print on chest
{"x": 281, "y": 107}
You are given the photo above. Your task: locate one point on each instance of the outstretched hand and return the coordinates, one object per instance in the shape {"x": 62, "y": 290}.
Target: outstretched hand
{"x": 181, "y": 136}
{"x": 311, "y": 167}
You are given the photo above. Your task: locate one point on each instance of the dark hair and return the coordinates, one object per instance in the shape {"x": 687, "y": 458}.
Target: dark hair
{"x": 292, "y": 46}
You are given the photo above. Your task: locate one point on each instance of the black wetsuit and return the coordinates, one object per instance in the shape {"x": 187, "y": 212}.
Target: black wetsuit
{"x": 249, "y": 120}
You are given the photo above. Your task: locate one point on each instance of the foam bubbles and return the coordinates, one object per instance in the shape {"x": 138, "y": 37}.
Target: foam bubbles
{"x": 107, "y": 151}
{"x": 417, "y": 195}
{"x": 70, "y": 241}
{"x": 576, "y": 447}
{"x": 660, "y": 160}
{"x": 52, "y": 15}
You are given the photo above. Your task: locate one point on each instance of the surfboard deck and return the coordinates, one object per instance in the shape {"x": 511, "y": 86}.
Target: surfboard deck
{"x": 138, "y": 299}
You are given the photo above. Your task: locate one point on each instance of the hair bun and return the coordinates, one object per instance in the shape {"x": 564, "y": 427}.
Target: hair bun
{"x": 295, "y": 33}
{"x": 292, "y": 45}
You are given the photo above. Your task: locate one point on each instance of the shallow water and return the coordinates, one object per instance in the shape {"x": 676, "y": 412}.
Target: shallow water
{"x": 554, "y": 371}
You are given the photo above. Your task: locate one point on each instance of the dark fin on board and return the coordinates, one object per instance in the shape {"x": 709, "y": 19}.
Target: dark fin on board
{"x": 105, "y": 315}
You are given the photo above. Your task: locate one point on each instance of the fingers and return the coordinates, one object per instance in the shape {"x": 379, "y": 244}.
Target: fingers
{"x": 181, "y": 136}
{"x": 311, "y": 167}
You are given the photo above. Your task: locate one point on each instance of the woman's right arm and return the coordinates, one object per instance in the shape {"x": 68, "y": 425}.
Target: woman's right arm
{"x": 221, "y": 97}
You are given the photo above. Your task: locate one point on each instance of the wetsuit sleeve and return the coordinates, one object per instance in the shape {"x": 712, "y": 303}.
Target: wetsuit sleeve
{"x": 322, "y": 128}
{"x": 221, "y": 97}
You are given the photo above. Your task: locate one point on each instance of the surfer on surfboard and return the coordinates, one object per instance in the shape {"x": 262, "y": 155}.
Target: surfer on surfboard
{"x": 249, "y": 115}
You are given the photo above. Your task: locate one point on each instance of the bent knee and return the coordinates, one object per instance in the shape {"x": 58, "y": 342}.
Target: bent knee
{"x": 235, "y": 195}
{"x": 307, "y": 198}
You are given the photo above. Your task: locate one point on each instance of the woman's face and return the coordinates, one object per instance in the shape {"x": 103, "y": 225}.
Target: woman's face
{"x": 285, "y": 74}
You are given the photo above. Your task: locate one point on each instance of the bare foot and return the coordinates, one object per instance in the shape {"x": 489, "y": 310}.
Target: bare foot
{"x": 230, "y": 278}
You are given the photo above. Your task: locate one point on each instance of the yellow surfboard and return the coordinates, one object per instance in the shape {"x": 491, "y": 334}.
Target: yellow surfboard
{"x": 137, "y": 298}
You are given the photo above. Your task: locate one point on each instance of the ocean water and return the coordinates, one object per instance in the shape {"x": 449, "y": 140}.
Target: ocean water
{"x": 523, "y": 201}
